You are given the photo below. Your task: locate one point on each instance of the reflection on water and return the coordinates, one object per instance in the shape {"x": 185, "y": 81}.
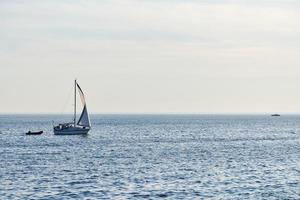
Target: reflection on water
{"x": 149, "y": 156}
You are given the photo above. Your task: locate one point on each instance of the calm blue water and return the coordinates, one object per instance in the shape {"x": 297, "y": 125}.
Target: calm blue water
{"x": 152, "y": 156}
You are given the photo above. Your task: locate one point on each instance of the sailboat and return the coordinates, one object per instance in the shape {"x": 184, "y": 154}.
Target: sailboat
{"x": 80, "y": 127}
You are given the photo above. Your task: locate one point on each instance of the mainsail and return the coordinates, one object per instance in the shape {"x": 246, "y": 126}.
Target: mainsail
{"x": 84, "y": 119}
{"x": 80, "y": 127}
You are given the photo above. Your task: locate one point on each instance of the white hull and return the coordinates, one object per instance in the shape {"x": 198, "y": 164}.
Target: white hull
{"x": 71, "y": 131}
{"x": 80, "y": 127}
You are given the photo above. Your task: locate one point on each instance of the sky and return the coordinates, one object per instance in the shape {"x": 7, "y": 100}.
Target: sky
{"x": 150, "y": 56}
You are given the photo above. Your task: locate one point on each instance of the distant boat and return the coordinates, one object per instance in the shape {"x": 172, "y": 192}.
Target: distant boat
{"x": 34, "y": 133}
{"x": 80, "y": 127}
{"x": 275, "y": 115}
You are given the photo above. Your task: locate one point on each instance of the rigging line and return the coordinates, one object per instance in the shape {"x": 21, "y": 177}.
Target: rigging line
{"x": 67, "y": 101}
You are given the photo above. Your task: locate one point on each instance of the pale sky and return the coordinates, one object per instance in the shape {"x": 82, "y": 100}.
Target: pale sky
{"x": 206, "y": 56}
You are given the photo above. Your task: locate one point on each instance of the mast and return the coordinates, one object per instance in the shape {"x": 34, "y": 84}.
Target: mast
{"x": 75, "y": 102}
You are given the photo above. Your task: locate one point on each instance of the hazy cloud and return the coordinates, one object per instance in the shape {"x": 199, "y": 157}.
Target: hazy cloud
{"x": 151, "y": 56}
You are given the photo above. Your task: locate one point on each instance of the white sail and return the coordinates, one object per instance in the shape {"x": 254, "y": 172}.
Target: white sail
{"x": 83, "y": 124}
{"x": 84, "y": 119}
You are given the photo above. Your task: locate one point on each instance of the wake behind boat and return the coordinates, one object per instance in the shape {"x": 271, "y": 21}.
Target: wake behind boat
{"x": 82, "y": 126}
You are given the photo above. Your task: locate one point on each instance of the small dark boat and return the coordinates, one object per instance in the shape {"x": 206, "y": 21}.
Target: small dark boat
{"x": 34, "y": 133}
{"x": 275, "y": 115}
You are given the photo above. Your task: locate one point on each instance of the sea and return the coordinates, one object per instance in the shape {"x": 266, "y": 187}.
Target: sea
{"x": 150, "y": 156}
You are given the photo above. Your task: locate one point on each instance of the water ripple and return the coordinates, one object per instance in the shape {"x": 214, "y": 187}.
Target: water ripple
{"x": 152, "y": 157}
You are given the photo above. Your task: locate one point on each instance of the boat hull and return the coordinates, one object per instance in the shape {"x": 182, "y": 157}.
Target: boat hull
{"x": 34, "y": 133}
{"x": 71, "y": 131}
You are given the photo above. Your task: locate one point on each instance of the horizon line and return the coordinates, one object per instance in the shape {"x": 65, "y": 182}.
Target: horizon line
{"x": 153, "y": 113}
